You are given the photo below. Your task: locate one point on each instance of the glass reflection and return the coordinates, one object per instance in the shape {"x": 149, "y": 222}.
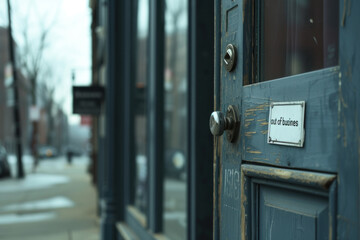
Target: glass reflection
{"x": 140, "y": 109}
{"x": 175, "y": 118}
{"x": 298, "y": 36}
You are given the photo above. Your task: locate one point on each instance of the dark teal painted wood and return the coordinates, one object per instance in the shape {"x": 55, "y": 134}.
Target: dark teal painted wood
{"x": 319, "y": 90}
{"x": 294, "y": 191}
{"x": 349, "y": 122}
{"x": 217, "y": 74}
{"x": 286, "y": 214}
{"x": 231, "y": 31}
{"x": 332, "y": 124}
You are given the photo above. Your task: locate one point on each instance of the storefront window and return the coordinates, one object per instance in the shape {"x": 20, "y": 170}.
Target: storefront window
{"x": 297, "y": 36}
{"x": 175, "y": 122}
{"x": 140, "y": 109}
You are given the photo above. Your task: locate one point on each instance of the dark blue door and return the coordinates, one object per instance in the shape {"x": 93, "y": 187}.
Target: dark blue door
{"x": 288, "y": 170}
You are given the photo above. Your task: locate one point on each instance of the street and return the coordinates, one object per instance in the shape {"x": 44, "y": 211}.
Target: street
{"x": 55, "y": 202}
{"x": 175, "y": 209}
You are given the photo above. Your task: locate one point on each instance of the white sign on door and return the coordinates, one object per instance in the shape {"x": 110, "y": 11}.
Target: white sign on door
{"x": 286, "y": 123}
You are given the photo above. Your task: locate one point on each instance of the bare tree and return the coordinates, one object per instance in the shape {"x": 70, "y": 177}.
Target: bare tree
{"x": 33, "y": 43}
{"x": 32, "y": 54}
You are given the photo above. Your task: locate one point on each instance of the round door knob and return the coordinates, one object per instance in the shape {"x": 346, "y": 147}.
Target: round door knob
{"x": 230, "y": 122}
{"x": 217, "y": 123}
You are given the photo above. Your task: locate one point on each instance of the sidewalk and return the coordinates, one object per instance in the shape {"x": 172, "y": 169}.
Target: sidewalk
{"x": 57, "y": 202}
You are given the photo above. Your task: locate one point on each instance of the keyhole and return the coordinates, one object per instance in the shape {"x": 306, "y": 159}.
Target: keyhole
{"x": 228, "y": 56}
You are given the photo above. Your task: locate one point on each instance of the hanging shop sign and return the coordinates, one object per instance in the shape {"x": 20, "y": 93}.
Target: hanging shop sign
{"x": 88, "y": 100}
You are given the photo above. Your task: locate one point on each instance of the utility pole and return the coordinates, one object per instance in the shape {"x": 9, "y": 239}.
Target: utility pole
{"x": 20, "y": 167}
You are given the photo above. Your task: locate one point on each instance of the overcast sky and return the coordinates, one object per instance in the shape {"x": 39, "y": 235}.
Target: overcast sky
{"x": 69, "y": 39}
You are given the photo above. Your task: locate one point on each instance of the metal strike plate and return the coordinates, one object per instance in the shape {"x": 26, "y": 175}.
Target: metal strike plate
{"x": 233, "y": 114}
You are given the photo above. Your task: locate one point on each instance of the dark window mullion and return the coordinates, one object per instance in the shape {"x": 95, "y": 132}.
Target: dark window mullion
{"x": 155, "y": 99}
{"x": 129, "y": 83}
{"x": 200, "y": 140}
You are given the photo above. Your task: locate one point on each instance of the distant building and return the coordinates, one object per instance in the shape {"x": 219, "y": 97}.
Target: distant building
{"x": 7, "y": 126}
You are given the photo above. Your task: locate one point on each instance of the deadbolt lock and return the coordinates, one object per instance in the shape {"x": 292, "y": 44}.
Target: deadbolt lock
{"x": 230, "y": 57}
{"x": 229, "y": 123}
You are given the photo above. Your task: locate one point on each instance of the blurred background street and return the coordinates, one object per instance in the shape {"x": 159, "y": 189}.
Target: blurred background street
{"x": 54, "y": 134}
{"x": 55, "y": 202}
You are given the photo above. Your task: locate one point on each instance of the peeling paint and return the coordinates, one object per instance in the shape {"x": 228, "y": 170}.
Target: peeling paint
{"x": 247, "y": 124}
{"x": 254, "y": 151}
{"x": 243, "y": 204}
{"x": 342, "y": 127}
{"x": 264, "y": 123}
{"x": 320, "y": 179}
{"x": 346, "y": 12}
{"x": 261, "y": 159}
{"x": 343, "y": 124}
{"x": 243, "y": 16}
{"x": 249, "y": 134}
{"x": 339, "y": 108}
{"x": 247, "y": 114}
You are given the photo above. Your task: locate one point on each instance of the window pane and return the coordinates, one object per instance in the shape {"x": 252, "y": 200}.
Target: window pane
{"x": 298, "y": 36}
{"x": 140, "y": 109}
{"x": 175, "y": 119}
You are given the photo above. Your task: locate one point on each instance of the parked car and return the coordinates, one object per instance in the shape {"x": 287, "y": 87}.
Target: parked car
{"x": 47, "y": 152}
{"x": 4, "y": 164}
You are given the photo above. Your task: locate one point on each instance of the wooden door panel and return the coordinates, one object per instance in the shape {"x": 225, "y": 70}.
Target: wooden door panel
{"x": 287, "y": 204}
{"x": 320, "y": 91}
{"x": 287, "y": 214}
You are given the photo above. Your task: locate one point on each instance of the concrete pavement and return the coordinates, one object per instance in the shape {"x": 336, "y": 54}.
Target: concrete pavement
{"x": 57, "y": 202}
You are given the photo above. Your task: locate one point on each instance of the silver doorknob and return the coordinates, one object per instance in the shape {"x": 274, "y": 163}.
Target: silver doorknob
{"x": 229, "y": 122}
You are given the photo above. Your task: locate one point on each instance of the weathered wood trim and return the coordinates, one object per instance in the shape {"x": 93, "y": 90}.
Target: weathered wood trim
{"x": 304, "y": 178}
{"x": 252, "y": 176}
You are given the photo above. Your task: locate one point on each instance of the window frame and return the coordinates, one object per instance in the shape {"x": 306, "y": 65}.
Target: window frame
{"x": 199, "y": 168}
